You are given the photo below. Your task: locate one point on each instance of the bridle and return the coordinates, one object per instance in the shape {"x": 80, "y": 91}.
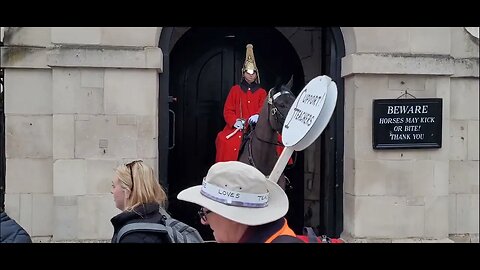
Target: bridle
{"x": 279, "y": 118}
{"x": 272, "y": 107}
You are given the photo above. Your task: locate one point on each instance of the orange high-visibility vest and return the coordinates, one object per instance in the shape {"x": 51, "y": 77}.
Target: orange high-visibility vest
{"x": 285, "y": 230}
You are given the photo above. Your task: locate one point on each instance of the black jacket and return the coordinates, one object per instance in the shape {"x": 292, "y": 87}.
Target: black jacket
{"x": 141, "y": 213}
{"x": 11, "y": 231}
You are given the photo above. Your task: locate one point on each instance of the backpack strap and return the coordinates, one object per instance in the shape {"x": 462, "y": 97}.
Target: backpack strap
{"x": 178, "y": 231}
{"x": 312, "y": 237}
{"x": 142, "y": 227}
{"x": 164, "y": 213}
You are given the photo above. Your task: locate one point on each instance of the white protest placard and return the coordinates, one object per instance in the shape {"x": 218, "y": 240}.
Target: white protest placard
{"x": 306, "y": 119}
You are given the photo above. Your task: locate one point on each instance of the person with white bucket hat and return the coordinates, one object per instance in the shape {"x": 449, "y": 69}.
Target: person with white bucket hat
{"x": 240, "y": 204}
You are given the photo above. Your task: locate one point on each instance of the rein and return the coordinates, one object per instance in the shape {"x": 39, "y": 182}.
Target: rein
{"x": 250, "y": 152}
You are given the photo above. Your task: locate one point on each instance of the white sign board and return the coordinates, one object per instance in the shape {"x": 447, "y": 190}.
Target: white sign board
{"x": 306, "y": 119}
{"x": 310, "y": 113}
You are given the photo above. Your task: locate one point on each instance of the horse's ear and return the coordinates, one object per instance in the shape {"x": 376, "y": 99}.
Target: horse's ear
{"x": 290, "y": 83}
{"x": 278, "y": 83}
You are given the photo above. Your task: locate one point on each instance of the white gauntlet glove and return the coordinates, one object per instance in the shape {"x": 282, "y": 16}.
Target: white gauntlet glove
{"x": 240, "y": 123}
{"x": 253, "y": 119}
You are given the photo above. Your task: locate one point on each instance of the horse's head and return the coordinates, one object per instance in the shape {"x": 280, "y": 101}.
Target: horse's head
{"x": 280, "y": 99}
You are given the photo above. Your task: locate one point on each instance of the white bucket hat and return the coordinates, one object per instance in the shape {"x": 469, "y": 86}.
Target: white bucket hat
{"x": 239, "y": 192}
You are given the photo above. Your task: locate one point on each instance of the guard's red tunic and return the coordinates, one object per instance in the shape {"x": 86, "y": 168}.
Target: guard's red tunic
{"x": 239, "y": 104}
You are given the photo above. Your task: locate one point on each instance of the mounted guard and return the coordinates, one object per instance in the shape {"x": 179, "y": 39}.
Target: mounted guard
{"x": 241, "y": 109}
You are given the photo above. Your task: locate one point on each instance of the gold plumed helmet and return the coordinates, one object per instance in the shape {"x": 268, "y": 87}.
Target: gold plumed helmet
{"x": 250, "y": 66}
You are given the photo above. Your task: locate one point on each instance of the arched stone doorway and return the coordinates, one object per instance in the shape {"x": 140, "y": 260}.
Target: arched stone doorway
{"x": 213, "y": 57}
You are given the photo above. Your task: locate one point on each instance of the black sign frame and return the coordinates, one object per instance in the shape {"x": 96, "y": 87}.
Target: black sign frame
{"x": 407, "y": 123}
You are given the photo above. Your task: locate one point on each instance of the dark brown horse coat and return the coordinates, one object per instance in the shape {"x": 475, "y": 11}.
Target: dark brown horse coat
{"x": 260, "y": 148}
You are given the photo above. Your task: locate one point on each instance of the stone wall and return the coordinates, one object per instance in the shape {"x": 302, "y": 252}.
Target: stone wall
{"x": 79, "y": 102}
{"x": 411, "y": 194}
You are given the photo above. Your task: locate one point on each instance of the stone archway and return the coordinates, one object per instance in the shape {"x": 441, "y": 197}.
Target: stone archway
{"x": 328, "y": 205}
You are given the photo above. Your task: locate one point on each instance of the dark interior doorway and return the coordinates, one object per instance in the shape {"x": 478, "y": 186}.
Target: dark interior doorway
{"x": 204, "y": 64}
{"x": 200, "y": 66}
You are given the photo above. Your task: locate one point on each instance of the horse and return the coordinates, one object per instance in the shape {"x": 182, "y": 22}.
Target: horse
{"x": 259, "y": 145}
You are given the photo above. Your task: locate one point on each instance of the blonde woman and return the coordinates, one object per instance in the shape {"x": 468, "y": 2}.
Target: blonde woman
{"x": 138, "y": 194}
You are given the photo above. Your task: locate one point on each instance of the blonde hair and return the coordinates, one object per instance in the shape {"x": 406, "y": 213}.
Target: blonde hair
{"x": 146, "y": 188}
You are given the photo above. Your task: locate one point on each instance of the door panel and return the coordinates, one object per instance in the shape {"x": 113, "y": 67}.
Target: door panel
{"x": 199, "y": 87}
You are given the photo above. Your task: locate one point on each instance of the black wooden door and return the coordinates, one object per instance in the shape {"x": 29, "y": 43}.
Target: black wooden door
{"x": 204, "y": 64}
{"x": 201, "y": 76}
